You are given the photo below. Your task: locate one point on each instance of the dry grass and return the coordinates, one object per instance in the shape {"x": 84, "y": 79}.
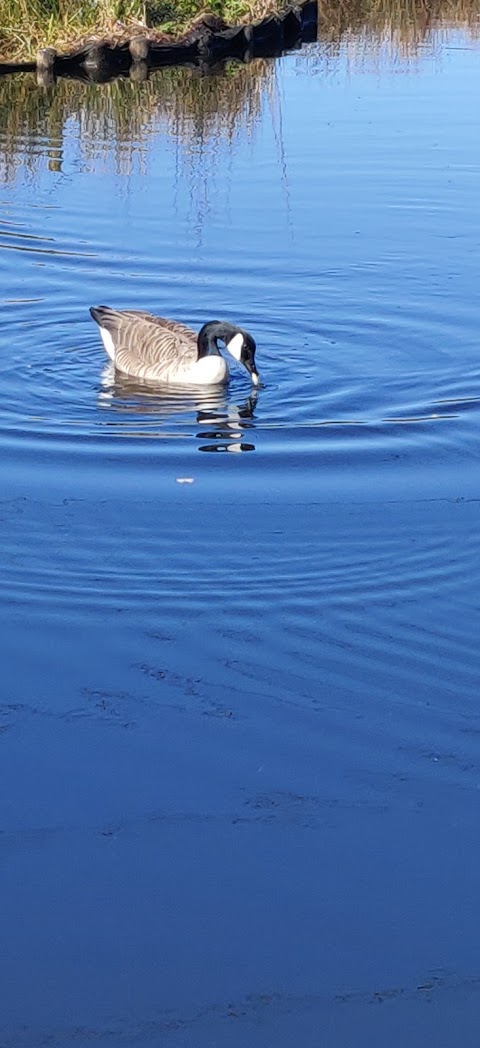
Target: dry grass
{"x": 26, "y": 25}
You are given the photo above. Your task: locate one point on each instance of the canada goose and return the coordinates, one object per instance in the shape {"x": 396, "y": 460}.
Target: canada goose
{"x": 166, "y": 351}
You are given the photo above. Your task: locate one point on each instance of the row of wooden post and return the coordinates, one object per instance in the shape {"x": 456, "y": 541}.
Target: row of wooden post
{"x": 208, "y": 41}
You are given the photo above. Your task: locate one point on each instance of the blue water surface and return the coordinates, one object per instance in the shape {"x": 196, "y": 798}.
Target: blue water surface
{"x": 239, "y": 764}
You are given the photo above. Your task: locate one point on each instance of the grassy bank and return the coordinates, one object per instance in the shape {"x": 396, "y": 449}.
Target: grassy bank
{"x": 27, "y": 25}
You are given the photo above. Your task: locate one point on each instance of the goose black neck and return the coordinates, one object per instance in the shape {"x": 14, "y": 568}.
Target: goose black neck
{"x": 210, "y": 333}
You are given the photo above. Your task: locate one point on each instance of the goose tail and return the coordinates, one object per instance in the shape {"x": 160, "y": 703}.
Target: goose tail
{"x": 107, "y": 320}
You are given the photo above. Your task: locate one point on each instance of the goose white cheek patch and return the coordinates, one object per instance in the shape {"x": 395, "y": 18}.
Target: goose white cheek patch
{"x": 235, "y": 346}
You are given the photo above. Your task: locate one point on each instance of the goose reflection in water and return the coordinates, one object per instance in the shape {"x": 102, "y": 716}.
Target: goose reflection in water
{"x": 223, "y": 423}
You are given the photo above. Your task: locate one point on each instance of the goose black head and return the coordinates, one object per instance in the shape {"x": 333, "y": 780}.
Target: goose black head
{"x": 239, "y": 343}
{"x": 242, "y": 347}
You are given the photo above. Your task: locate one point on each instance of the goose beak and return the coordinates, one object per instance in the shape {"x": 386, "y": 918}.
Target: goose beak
{"x": 249, "y": 366}
{"x": 252, "y": 371}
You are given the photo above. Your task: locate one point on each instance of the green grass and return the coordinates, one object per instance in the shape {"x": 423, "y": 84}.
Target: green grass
{"x": 26, "y": 25}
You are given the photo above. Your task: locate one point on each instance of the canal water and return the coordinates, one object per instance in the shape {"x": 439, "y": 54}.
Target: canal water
{"x": 240, "y": 704}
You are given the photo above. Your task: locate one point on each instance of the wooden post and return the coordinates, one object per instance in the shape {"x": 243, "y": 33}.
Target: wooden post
{"x": 45, "y": 77}
{"x": 138, "y": 72}
{"x": 95, "y": 60}
{"x": 45, "y": 59}
{"x": 139, "y": 48}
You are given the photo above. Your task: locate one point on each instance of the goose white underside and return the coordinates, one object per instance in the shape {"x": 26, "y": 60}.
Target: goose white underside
{"x": 208, "y": 371}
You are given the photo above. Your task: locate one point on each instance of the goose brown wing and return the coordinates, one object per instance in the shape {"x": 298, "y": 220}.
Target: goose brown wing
{"x": 171, "y": 325}
{"x": 148, "y": 346}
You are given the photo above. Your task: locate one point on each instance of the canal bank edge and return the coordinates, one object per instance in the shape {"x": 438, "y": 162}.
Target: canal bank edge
{"x": 209, "y": 40}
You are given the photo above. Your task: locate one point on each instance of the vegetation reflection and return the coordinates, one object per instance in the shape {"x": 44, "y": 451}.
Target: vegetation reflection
{"x": 191, "y": 106}
{"x": 406, "y": 24}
